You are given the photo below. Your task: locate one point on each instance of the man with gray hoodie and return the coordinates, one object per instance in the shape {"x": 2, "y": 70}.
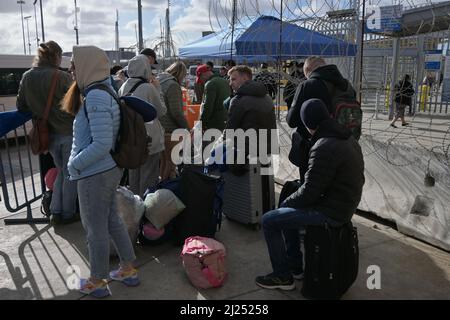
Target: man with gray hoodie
{"x": 145, "y": 87}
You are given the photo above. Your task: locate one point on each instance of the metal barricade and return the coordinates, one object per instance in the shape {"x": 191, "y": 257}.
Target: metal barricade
{"x": 20, "y": 176}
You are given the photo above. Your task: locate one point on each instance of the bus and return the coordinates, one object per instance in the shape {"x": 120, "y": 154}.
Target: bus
{"x": 12, "y": 67}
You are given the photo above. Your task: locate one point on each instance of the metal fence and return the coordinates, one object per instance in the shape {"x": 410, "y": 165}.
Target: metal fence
{"x": 20, "y": 176}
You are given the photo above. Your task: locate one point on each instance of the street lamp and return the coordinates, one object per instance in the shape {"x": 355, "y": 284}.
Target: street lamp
{"x": 28, "y": 32}
{"x": 21, "y": 2}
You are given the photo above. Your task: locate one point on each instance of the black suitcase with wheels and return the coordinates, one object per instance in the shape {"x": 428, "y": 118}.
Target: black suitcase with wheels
{"x": 331, "y": 261}
{"x": 201, "y": 194}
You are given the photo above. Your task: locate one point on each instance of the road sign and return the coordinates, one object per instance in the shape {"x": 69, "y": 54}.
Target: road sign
{"x": 445, "y": 97}
{"x": 433, "y": 60}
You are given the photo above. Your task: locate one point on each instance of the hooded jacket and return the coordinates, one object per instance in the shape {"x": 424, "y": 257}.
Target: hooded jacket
{"x": 315, "y": 87}
{"x": 139, "y": 69}
{"x": 33, "y": 92}
{"x": 94, "y": 136}
{"x": 173, "y": 98}
{"x": 252, "y": 108}
{"x": 335, "y": 176}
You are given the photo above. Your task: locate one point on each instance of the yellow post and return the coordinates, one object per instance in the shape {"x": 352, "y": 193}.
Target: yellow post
{"x": 387, "y": 97}
{"x": 423, "y": 97}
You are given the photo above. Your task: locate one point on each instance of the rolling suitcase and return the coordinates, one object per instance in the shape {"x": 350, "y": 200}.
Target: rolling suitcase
{"x": 331, "y": 261}
{"x": 247, "y": 197}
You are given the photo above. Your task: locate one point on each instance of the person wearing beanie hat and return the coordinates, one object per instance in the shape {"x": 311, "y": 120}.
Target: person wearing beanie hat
{"x": 322, "y": 82}
{"x": 313, "y": 113}
{"x": 330, "y": 194}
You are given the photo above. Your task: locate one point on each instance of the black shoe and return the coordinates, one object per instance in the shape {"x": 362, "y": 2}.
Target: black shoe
{"x": 74, "y": 218}
{"x": 393, "y": 125}
{"x": 55, "y": 219}
{"x": 405, "y": 124}
{"x": 298, "y": 274}
{"x": 273, "y": 282}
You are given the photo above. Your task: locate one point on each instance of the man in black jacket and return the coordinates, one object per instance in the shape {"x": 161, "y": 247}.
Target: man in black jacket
{"x": 331, "y": 193}
{"x": 321, "y": 79}
{"x": 251, "y": 107}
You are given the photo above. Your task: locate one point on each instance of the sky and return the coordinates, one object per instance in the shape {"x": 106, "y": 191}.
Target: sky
{"x": 96, "y": 19}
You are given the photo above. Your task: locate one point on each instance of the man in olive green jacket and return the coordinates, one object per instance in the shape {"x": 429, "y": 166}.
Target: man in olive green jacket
{"x": 213, "y": 114}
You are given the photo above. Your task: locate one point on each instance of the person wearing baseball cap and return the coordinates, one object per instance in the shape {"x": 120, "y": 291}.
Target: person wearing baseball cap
{"x": 199, "y": 83}
{"x": 151, "y": 55}
{"x": 216, "y": 91}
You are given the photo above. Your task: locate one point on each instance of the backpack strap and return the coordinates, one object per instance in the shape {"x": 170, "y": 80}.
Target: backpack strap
{"x": 136, "y": 86}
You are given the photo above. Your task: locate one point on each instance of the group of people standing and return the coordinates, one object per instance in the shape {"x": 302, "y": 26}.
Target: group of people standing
{"x": 84, "y": 123}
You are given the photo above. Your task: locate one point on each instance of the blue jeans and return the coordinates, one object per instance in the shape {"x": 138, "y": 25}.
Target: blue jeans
{"x": 98, "y": 211}
{"x": 64, "y": 197}
{"x": 281, "y": 229}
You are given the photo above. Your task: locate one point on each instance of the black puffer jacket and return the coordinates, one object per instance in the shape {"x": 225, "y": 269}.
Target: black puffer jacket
{"x": 335, "y": 176}
{"x": 313, "y": 88}
{"x": 252, "y": 108}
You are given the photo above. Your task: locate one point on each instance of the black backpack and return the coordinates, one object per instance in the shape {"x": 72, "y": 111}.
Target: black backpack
{"x": 331, "y": 261}
{"x": 130, "y": 150}
{"x": 346, "y": 109}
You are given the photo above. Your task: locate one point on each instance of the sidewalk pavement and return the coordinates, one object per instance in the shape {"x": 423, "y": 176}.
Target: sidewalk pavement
{"x": 35, "y": 260}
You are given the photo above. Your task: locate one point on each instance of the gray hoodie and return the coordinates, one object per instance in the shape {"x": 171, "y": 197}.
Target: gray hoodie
{"x": 139, "y": 69}
{"x": 174, "y": 119}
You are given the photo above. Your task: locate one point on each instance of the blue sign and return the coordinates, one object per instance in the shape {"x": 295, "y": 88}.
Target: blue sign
{"x": 433, "y": 60}
{"x": 384, "y": 19}
{"x": 445, "y": 97}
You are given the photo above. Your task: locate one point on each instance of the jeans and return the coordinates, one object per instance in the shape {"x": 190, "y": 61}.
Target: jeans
{"x": 98, "y": 211}
{"x": 281, "y": 230}
{"x": 64, "y": 197}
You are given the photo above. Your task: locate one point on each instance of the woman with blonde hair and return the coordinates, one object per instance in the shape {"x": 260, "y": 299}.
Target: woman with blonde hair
{"x": 34, "y": 91}
{"x": 174, "y": 119}
{"x": 95, "y": 131}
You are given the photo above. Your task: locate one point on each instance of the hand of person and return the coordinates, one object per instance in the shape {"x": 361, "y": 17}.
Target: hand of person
{"x": 155, "y": 81}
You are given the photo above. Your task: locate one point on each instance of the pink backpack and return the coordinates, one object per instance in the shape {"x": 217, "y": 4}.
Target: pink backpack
{"x": 204, "y": 262}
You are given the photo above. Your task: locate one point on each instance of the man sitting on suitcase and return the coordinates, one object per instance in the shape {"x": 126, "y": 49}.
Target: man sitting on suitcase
{"x": 330, "y": 194}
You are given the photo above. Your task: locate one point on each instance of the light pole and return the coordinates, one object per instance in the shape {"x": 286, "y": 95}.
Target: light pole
{"x": 42, "y": 20}
{"x": 76, "y": 22}
{"x": 36, "y": 26}
{"x": 28, "y": 32}
{"x": 141, "y": 41}
{"x": 21, "y": 2}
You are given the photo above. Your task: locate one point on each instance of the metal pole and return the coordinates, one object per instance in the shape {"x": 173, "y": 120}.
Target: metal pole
{"x": 394, "y": 75}
{"x": 117, "y": 38}
{"x": 28, "y": 32}
{"x": 361, "y": 53}
{"x": 280, "y": 47}
{"x": 23, "y": 28}
{"x": 42, "y": 21}
{"x": 76, "y": 22}
{"x": 35, "y": 23}
{"x": 141, "y": 41}
{"x": 233, "y": 22}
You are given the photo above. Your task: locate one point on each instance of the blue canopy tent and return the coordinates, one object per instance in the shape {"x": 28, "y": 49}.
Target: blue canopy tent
{"x": 262, "y": 38}
{"x": 261, "y": 42}
{"x": 216, "y": 45}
